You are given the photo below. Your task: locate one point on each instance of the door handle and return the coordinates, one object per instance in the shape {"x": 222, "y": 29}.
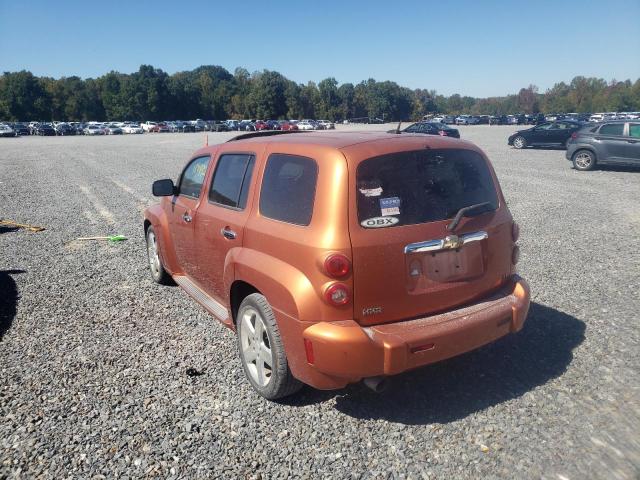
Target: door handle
{"x": 228, "y": 233}
{"x": 186, "y": 217}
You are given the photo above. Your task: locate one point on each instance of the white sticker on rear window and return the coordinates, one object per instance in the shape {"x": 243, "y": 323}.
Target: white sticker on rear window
{"x": 379, "y": 222}
{"x": 390, "y": 206}
{"x": 371, "y": 192}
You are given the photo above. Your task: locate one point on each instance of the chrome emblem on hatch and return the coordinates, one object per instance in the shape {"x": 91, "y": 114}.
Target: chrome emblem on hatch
{"x": 452, "y": 242}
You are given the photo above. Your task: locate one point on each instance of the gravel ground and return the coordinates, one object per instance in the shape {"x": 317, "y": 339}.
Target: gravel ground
{"x": 93, "y": 355}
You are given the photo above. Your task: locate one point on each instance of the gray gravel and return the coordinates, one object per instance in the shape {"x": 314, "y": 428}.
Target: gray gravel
{"x": 93, "y": 355}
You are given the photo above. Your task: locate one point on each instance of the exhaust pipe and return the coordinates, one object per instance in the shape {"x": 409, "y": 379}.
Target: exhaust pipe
{"x": 377, "y": 384}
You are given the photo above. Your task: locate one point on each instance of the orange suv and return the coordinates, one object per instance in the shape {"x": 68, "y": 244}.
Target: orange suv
{"x": 340, "y": 257}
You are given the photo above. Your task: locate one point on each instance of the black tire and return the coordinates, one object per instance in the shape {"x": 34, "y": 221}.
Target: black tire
{"x": 279, "y": 381}
{"x": 584, "y": 160}
{"x": 519, "y": 142}
{"x": 158, "y": 273}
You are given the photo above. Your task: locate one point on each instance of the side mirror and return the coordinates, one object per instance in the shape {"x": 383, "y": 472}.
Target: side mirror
{"x": 163, "y": 188}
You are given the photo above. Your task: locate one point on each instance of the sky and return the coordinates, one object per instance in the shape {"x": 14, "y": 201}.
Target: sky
{"x": 476, "y": 48}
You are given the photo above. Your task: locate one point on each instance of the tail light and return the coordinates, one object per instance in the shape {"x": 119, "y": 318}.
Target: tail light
{"x": 337, "y": 265}
{"x": 574, "y": 135}
{"x": 515, "y": 232}
{"x": 337, "y": 294}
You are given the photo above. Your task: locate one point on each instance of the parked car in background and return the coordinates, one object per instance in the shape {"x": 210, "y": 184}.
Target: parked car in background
{"x": 273, "y": 124}
{"x": 498, "y": 120}
{"x": 148, "y": 126}
{"x": 112, "y": 129}
{"x": 287, "y": 126}
{"x": 261, "y": 125}
{"x": 419, "y": 266}
{"x": 615, "y": 142}
{"x": 93, "y": 129}
{"x": 430, "y": 128}
{"x": 7, "y": 131}
{"x": 327, "y": 125}
{"x": 449, "y": 120}
{"x": 64, "y": 129}
{"x": 305, "y": 125}
{"x": 246, "y": 126}
{"x": 546, "y": 134}
{"x": 219, "y": 126}
{"x": 20, "y": 128}
{"x": 199, "y": 125}
{"x": 132, "y": 129}
{"x": 232, "y": 124}
{"x": 534, "y": 119}
{"x": 45, "y": 129}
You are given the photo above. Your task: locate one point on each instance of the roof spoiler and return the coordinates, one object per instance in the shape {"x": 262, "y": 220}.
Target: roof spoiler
{"x": 268, "y": 133}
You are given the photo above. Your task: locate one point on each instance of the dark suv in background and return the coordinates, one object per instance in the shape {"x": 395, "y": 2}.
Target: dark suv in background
{"x": 606, "y": 143}
{"x": 555, "y": 133}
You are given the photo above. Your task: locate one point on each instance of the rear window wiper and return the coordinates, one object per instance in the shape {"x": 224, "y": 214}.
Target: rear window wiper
{"x": 463, "y": 213}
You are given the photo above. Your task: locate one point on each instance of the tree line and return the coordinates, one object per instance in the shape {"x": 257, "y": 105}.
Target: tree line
{"x": 212, "y": 92}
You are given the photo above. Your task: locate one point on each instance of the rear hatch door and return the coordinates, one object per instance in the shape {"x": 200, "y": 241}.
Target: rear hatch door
{"x": 406, "y": 263}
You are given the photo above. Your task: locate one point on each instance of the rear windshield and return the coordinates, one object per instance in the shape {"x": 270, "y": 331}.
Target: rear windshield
{"x": 409, "y": 188}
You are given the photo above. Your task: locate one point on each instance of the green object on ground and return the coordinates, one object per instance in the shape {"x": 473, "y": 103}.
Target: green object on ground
{"x": 111, "y": 238}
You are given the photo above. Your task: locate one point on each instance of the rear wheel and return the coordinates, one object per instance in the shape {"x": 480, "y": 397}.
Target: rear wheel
{"x": 158, "y": 273}
{"x": 261, "y": 349}
{"x": 584, "y": 160}
{"x": 519, "y": 142}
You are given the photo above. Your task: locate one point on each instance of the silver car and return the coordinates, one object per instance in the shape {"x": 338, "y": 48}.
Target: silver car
{"x": 605, "y": 143}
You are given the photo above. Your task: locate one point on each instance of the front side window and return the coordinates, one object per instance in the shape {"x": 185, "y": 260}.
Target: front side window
{"x": 231, "y": 180}
{"x": 289, "y": 188}
{"x": 422, "y": 186}
{"x": 634, "y": 130}
{"x": 193, "y": 177}
{"x": 612, "y": 129}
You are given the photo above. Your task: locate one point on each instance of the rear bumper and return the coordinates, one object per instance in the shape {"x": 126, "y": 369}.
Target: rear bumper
{"x": 347, "y": 352}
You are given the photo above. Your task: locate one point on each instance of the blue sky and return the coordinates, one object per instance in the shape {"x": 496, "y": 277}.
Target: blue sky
{"x": 477, "y": 48}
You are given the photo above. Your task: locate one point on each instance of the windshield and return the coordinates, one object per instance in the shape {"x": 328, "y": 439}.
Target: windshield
{"x": 423, "y": 186}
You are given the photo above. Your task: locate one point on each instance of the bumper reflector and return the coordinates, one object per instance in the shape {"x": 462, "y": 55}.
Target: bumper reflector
{"x": 308, "y": 348}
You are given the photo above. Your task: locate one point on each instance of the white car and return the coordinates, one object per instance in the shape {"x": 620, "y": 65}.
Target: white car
{"x": 305, "y": 125}
{"x": 467, "y": 120}
{"x": 439, "y": 119}
{"x": 132, "y": 129}
{"x": 7, "y": 131}
{"x": 93, "y": 130}
{"x": 148, "y": 126}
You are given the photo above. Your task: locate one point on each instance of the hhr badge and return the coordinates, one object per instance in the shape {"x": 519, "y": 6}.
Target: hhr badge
{"x": 371, "y": 311}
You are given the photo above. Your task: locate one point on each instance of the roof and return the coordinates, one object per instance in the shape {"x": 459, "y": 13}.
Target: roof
{"x": 340, "y": 140}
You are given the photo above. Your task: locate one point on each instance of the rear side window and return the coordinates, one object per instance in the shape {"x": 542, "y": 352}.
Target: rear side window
{"x": 612, "y": 129}
{"x": 409, "y": 188}
{"x": 193, "y": 177}
{"x": 231, "y": 180}
{"x": 289, "y": 188}
{"x": 634, "y": 130}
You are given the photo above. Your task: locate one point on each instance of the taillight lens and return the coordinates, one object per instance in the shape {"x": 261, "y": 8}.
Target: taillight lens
{"x": 337, "y": 265}
{"x": 337, "y": 294}
{"x": 574, "y": 135}
{"x": 442, "y": 133}
{"x": 515, "y": 232}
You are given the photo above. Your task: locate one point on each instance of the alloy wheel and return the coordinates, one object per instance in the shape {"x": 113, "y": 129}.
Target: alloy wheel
{"x": 256, "y": 348}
